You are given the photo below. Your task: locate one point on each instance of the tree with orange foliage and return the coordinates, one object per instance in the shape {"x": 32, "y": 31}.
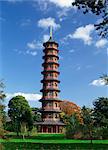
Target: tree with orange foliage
{"x": 69, "y": 108}
{"x": 71, "y": 116}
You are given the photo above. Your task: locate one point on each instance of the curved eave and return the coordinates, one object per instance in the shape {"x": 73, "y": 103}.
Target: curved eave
{"x": 49, "y": 99}
{"x": 51, "y": 110}
{"x": 47, "y": 80}
{"x": 50, "y": 123}
{"x": 51, "y": 55}
{"x": 50, "y": 42}
{"x": 47, "y": 49}
{"x": 50, "y": 71}
{"x": 50, "y": 89}
{"x": 46, "y": 63}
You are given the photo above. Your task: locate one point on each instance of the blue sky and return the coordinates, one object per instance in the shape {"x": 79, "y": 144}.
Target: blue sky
{"x": 24, "y": 27}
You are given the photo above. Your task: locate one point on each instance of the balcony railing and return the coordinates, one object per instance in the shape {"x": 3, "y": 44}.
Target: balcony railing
{"x": 51, "y": 77}
{"x": 48, "y": 69}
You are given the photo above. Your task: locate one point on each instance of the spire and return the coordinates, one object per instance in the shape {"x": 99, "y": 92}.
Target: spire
{"x": 51, "y": 32}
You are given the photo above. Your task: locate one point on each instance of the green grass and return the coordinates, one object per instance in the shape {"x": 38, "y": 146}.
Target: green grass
{"x": 51, "y": 142}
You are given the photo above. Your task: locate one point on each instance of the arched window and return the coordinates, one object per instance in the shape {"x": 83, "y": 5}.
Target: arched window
{"x": 56, "y": 116}
{"x": 55, "y": 104}
{"x": 55, "y": 84}
{"x": 49, "y": 115}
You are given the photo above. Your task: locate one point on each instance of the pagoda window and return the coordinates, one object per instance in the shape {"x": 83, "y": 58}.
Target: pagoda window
{"x": 50, "y": 93}
{"x": 51, "y": 45}
{"x": 56, "y": 94}
{"x": 56, "y": 116}
{"x": 56, "y": 67}
{"x": 56, "y": 105}
{"x": 49, "y": 104}
{"x": 45, "y": 94}
{"x": 55, "y": 84}
{"x": 49, "y": 115}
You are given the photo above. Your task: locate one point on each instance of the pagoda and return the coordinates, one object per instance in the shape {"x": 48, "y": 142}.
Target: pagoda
{"x": 50, "y": 110}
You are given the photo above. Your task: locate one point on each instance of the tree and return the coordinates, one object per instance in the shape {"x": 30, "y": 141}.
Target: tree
{"x": 68, "y": 109}
{"x": 71, "y": 116}
{"x": 88, "y": 123}
{"x": 73, "y": 127}
{"x": 20, "y": 113}
{"x": 36, "y": 115}
{"x": 105, "y": 79}
{"x": 101, "y": 115}
{"x": 2, "y": 96}
{"x": 98, "y": 7}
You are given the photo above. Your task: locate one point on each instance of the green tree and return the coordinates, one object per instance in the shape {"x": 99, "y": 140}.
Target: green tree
{"x": 101, "y": 115}
{"x": 105, "y": 78}
{"x": 20, "y": 113}
{"x": 98, "y": 7}
{"x": 88, "y": 123}
{"x": 2, "y": 96}
{"x": 73, "y": 126}
{"x": 36, "y": 115}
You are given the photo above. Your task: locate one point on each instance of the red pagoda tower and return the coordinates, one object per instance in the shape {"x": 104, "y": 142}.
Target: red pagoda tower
{"x": 50, "y": 102}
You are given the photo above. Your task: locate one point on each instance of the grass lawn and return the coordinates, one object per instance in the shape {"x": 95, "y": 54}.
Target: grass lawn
{"x": 52, "y": 142}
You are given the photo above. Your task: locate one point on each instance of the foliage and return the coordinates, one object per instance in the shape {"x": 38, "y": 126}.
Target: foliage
{"x": 105, "y": 78}
{"x": 98, "y": 7}
{"x": 101, "y": 112}
{"x": 73, "y": 127}
{"x": 68, "y": 109}
{"x": 20, "y": 113}
{"x": 36, "y": 115}
{"x": 101, "y": 115}
{"x": 2, "y": 114}
{"x": 88, "y": 123}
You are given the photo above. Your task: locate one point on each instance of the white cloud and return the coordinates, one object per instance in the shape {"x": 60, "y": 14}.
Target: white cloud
{"x": 46, "y": 37}
{"x": 98, "y": 82}
{"x": 72, "y": 51}
{"x": 45, "y": 23}
{"x": 83, "y": 33}
{"x": 62, "y": 3}
{"x": 61, "y": 57}
{"x": 78, "y": 68}
{"x": 14, "y": 1}
{"x": 101, "y": 43}
{"x": 34, "y": 45}
{"x": 59, "y": 3}
{"x": 33, "y": 53}
{"x": 25, "y": 22}
{"x": 28, "y": 96}
{"x": 107, "y": 51}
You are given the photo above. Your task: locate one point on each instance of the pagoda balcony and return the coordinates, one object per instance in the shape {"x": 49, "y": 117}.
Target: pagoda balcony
{"x": 51, "y": 61}
{"x": 51, "y": 97}
{"x": 50, "y": 87}
{"x": 50, "y": 69}
{"x": 49, "y": 110}
{"x": 50, "y": 77}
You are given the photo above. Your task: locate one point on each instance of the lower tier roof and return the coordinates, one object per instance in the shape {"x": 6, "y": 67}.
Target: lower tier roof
{"x": 50, "y": 122}
{"x": 49, "y": 99}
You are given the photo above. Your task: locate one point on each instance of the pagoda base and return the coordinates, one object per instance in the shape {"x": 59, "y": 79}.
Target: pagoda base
{"x": 45, "y": 127}
{"x": 50, "y": 129}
